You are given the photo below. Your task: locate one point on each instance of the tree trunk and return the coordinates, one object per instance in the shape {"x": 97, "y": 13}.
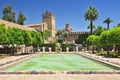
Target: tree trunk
{"x": 108, "y": 26}
{"x": 108, "y": 54}
{"x": 25, "y": 49}
{"x": 93, "y": 49}
{"x": 91, "y": 27}
{"x": 34, "y": 48}
{"x": 6, "y": 50}
{"x": 13, "y": 50}
{"x": 118, "y": 50}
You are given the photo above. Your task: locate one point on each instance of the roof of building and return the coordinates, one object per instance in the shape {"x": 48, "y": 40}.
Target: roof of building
{"x": 12, "y": 25}
{"x": 32, "y": 25}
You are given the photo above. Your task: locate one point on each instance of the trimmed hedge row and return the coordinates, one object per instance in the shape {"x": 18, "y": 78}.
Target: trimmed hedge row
{"x": 47, "y": 46}
{"x": 53, "y": 47}
{"x": 71, "y": 47}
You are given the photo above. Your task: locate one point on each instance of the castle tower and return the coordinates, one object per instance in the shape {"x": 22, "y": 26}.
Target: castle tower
{"x": 49, "y": 19}
{"x": 68, "y": 28}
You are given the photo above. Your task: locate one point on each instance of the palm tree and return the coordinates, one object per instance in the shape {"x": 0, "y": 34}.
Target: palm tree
{"x": 91, "y": 15}
{"x": 108, "y": 21}
{"x": 98, "y": 30}
{"x": 118, "y": 25}
{"x": 93, "y": 27}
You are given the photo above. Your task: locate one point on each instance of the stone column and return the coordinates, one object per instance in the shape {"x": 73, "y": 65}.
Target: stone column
{"x": 38, "y": 50}
{"x": 76, "y": 49}
{"x": 22, "y": 49}
{"x": 49, "y": 49}
{"x": 67, "y": 49}
{"x": 43, "y": 49}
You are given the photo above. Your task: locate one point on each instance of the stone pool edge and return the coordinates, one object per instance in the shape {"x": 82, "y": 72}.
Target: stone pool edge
{"x": 16, "y": 61}
{"x": 100, "y": 60}
{"x": 55, "y": 72}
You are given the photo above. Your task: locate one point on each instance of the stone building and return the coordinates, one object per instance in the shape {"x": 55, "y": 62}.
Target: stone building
{"x": 49, "y": 19}
{"x": 72, "y": 36}
{"x": 38, "y": 27}
{"x": 48, "y": 22}
{"x": 14, "y": 25}
{"x": 68, "y": 28}
{"x": 19, "y": 48}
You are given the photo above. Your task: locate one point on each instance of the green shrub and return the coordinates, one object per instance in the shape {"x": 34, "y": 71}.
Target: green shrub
{"x": 60, "y": 40}
{"x": 49, "y": 45}
{"x": 106, "y": 47}
{"x": 71, "y": 47}
{"x": 114, "y": 54}
{"x": 104, "y": 53}
{"x": 101, "y": 53}
{"x": 82, "y": 38}
{"x": 119, "y": 57}
{"x": 58, "y": 48}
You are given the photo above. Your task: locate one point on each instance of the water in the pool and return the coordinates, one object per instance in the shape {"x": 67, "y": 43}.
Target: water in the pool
{"x": 59, "y": 62}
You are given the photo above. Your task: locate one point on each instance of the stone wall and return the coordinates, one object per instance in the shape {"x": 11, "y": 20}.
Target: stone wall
{"x": 12, "y": 25}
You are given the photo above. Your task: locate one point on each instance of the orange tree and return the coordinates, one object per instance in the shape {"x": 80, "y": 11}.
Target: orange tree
{"x": 114, "y": 38}
{"x": 94, "y": 41}
{"x": 3, "y": 35}
{"x": 105, "y": 40}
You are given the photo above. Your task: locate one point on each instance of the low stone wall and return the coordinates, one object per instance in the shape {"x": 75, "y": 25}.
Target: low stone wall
{"x": 26, "y": 72}
{"x": 114, "y": 64}
{"x": 55, "y": 72}
{"x": 15, "y": 61}
{"x": 93, "y": 72}
{"x": 6, "y": 64}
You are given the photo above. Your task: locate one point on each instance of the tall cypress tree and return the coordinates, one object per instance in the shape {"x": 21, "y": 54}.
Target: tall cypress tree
{"x": 8, "y": 14}
{"x": 21, "y": 18}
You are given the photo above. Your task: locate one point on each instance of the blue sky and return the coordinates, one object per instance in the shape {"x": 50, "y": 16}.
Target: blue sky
{"x": 71, "y": 11}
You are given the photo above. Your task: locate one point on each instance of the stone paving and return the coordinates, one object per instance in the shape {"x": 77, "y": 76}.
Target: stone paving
{"x": 61, "y": 77}
{"x": 14, "y": 59}
{"x": 111, "y": 60}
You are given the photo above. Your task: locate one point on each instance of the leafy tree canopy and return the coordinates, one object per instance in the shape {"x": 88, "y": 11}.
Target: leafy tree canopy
{"x": 8, "y": 14}
{"x": 114, "y": 37}
{"x": 105, "y": 37}
{"x": 62, "y": 34}
{"x": 98, "y": 31}
{"x": 93, "y": 40}
{"x": 3, "y": 35}
{"x": 81, "y": 38}
{"x": 21, "y": 18}
{"x": 46, "y": 34}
